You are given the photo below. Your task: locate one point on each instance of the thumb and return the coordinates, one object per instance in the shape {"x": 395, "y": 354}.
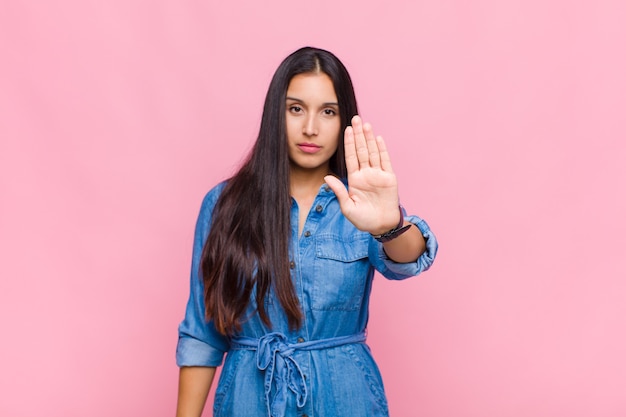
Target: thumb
{"x": 338, "y": 188}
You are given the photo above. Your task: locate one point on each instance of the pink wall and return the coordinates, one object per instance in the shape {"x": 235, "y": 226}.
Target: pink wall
{"x": 506, "y": 123}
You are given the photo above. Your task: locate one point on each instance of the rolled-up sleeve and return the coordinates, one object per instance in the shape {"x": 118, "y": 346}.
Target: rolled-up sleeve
{"x": 395, "y": 270}
{"x": 199, "y": 343}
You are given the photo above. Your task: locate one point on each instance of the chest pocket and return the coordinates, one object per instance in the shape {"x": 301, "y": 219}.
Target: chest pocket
{"x": 342, "y": 270}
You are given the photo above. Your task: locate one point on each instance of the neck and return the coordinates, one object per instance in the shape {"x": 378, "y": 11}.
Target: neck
{"x": 304, "y": 183}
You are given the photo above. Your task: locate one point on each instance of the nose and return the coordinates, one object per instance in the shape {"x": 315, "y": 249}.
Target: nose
{"x": 310, "y": 126}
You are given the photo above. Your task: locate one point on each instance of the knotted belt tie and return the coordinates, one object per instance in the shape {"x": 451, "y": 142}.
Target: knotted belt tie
{"x": 275, "y": 357}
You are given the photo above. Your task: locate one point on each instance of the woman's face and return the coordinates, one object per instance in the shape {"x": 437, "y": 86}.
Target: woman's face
{"x": 313, "y": 122}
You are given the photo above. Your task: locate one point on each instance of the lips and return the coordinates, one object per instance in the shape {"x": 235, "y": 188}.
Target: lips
{"x": 309, "y": 147}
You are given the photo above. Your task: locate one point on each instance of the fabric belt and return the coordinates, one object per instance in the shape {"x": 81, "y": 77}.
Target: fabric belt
{"x": 274, "y": 356}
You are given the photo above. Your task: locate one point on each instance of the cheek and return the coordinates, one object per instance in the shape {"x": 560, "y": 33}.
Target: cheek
{"x": 337, "y": 134}
{"x": 290, "y": 129}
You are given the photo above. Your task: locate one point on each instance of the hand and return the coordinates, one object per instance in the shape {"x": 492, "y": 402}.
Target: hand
{"x": 371, "y": 201}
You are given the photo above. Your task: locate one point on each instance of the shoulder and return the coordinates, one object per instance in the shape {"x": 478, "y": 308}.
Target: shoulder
{"x": 211, "y": 197}
{"x": 206, "y": 209}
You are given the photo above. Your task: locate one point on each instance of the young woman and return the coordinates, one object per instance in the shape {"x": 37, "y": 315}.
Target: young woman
{"x": 284, "y": 256}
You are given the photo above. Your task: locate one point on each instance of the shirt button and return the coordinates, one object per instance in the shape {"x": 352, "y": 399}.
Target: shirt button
{"x": 319, "y": 208}
{"x": 307, "y": 234}
{"x": 326, "y": 188}
{"x": 300, "y": 339}
{"x": 292, "y": 264}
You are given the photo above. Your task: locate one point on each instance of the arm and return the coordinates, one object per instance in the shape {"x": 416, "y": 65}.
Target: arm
{"x": 194, "y": 383}
{"x": 371, "y": 202}
{"x": 200, "y": 347}
{"x": 407, "y": 247}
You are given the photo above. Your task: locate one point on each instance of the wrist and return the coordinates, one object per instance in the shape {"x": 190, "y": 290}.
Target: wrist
{"x": 395, "y": 232}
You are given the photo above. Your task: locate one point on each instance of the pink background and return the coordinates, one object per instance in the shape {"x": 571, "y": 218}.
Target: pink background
{"x": 506, "y": 123}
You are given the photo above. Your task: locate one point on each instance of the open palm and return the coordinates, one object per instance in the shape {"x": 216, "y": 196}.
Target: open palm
{"x": 371, "y": 200}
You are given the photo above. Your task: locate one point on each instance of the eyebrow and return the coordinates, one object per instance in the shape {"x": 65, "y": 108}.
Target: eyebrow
{"x": 300, "y": 101}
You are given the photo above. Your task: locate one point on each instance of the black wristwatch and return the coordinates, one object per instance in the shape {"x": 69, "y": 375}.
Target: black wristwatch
{"x": 395, "y": 232}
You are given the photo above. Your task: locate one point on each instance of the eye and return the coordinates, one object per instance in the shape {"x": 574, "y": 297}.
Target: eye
{"x": 295, "y": 109}
{"x": 329, "y": 112}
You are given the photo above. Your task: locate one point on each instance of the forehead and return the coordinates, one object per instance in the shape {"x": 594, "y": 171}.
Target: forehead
{"x": 312, "y": 87}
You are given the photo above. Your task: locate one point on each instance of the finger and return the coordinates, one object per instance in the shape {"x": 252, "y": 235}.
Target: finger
{"x": 372, "y": 146}
{"x": 360, "y": 143}
{"x": 339, "y": 189}
{"x": 385, "y": 160}
{"x": 352, "y": 162}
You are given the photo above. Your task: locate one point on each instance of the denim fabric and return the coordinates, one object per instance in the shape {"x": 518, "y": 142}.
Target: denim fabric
{"x": 282, "y": 372}
{"x": 333, "y": 265}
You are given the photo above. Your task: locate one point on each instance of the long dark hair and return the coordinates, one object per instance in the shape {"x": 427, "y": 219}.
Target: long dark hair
{"x": 248, "y": 243}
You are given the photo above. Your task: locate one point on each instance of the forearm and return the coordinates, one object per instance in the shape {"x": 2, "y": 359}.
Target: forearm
{"x": 407, "y": 247}
{"x": 194, "y": 383}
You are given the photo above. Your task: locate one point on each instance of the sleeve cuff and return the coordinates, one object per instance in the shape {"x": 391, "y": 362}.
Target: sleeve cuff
{"x": 395, "y": 270}
{"x": 194, "y": 352}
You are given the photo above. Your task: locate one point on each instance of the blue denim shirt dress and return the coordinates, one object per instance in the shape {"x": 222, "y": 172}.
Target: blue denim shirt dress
{"x": 323, "y": 369}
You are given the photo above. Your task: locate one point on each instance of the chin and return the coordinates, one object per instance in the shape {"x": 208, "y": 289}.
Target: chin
{"x": 310, "y": 166}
